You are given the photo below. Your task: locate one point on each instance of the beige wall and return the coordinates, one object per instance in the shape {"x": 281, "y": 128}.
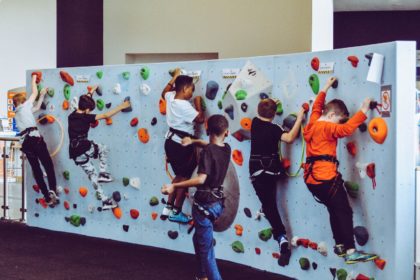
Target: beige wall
{"x": 233, "y": 28}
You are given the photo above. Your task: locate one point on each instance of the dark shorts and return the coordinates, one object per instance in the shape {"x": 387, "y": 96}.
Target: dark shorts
{"x": 183, "y": 160}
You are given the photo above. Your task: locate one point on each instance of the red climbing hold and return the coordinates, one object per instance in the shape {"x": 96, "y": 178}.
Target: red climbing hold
{"x": 313, "y": 245}
{"x": 276, "y": 255}
{"x": 354, "y": 60}
{"x": 94, "y": 124}
{"x": 285, "y": 163}
{"x": 257, "y": 251}
{"x": 66, "y": 77}
{"x": 134, "y": 122}
{"x": 351, "y": 148}
{"x": 43, "y": 202}
{"x": 66, "y": 190}
{"x": 238, "y": 136}
{"x": 66, "y": 205}
{"x": 134, "y": 213}
{"x": 370, "y": 171}
{"x": 362, "y": 277}
{"x": 36, "y": 188}
{"x": 237, "y": 157}
{"x": 315, "y": 63}
{"x": 380, "y": 263}
{"x": 305, "y": 107}
{"x": 83, "y": 191}
{"x": 303, "y": 242}
{"x": 38, "y": 75}
{"x": 154, "y": 215}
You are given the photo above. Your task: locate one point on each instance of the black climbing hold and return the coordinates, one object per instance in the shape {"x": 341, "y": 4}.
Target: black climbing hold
{"x": 82, "y": 221}
{"x": 99, "y": 209}
{"x": 263, "y": 95}
{"x": 74, "y": 205}
{"x": 229, "y": 111}
{"x": 108, "y": 105}
{"x": 43, "y": 106}
{"x": 289, "y": 122}
{"x": 363, "y": 127}
{"x": 129, "y": 109}
{"x": 163, "y": 201}
{"x": 44, "y": 120}
{"x": 125, "y": 228}
{"x": 361, "y": 235}
{"x": 116, "y": 196}
{"x": 335, "y": 84}
{"x": 333, "y": 271}
{"x": 314, "y": 265}
{"x": 67, "y": 219}
{"x": 211, "y": 90}
{"x": 369, "y": 56}
{"x": 173, "y": 234}
{"x": 36, "y": 200}
{"x": 373, "y": 105}
{"x": 36, "y": 215}
{"x": 154, "y": 121}
{"x": 244, "y": 107}
{"x": 247, "y": 212}
{"x": 214, "y": 242}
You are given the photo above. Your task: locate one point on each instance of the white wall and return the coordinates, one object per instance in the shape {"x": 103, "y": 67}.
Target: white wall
{"x": 27, "y": 41}
{"x": 322, "y": 25}
{"x": 234, "y": 28}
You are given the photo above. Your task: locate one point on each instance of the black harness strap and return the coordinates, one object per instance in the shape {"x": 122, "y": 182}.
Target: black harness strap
{"x": 27, "y": 131}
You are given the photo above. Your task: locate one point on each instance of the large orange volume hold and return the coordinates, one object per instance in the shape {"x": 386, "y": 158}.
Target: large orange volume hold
{"x": 378, "y": 130}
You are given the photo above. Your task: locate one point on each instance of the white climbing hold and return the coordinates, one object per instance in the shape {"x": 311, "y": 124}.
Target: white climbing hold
{"x": 135, "y": 182}
{"x": 322, "y": 248}
{"x": 145, "y": 89}
{"x": 60, "y": 189}
{"x": 51, "y": 108}
{"x": 91, "y": 208}
{"x": 74, "y": 104}
{"x": 125, "y": 196}
{"x": 117, "y": 88}
{"x": 259, "y": 214}
{"x": 245, "y": 83}
{"x": 294, "y": 241}
{"x": 362, "y": 169}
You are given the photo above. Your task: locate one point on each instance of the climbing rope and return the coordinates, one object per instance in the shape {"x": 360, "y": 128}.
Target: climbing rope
{"x": 295, "y": 174}
{"x": 58, "y": 148}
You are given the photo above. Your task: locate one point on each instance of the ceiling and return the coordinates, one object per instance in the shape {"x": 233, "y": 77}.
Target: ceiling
{"x": 375, "y": 5}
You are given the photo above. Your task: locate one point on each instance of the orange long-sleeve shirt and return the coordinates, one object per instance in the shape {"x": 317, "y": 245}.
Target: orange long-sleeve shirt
{"x": 321, "y": 139}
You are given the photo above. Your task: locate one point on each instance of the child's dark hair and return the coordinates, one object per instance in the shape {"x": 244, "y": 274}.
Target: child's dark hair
{"x": 86, "y": 102}
{"x": 217, "y": 125}
{"x": 337, "y": 106}
{"x": 183, "y": 81}
{"x": 267, "y": 108}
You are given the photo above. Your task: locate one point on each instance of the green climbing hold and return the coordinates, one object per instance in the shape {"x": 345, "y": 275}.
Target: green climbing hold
{"x": 154, "y": 201}
{"x": 50, "y": 92}
{"x": 265, "y": 234}
{"x": 145, "y": 73}
{"x": 66, "y": 175}
{"x": 126, "y": 75}
{"x": 67, "y": 91}
{"x": 341, "y": 274}
{"x": 126, "y": 181}
{"x": 279, "y": 110}
{"x": 314, "y": 83}
{"x": 352, "y": 188}
{"x": 220, "y": 104}
{"x": 100, "y": 104}
{"x": 100, "y": 74}
{"x": 203, "y": 105}
{"x": 241, "y": 94}
{"x": 76, "y": 220}
{"x": 304, "y": 263}
{"x": 238, "y": 247}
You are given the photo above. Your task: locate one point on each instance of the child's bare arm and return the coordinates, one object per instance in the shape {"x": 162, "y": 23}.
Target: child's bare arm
{"x": 186, "y": 141}
{"x": 170, "y": 85}
{"x": 34, "y": 93}
{"x": 114, "y": 111}
{"x": 42, "y": 94}
{"x": 196, "y": 181}
{"x": 290, "y": 136}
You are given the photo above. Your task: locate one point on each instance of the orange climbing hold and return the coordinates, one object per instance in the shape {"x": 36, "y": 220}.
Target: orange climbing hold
{"x": 65, "y": 105}
{"x": 154, "y": 215}
{"x": 239, "y": 230}
{"x": 66, "y": 77}
{"x": 143, "y": 135}
{"x": 117, "y": 212}
{"x": 380, "y": 263}
{"x": 83, "y": 191}
{"x": 378, "y": 130}
{"x": 246, "y": 123}
{"x": 162, "y": 106}
{"x": 134, "y": 213}
{"x": 108, "y": 121}
{"x": 237, "y": 157}
{"x": 351, "y": 148}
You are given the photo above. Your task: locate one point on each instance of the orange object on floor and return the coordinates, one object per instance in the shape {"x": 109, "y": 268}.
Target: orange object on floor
{"x": 66, "y": 77}
{"x": 378, "y": 130}
{"x": 108, "y": 121}
{"x": 237, "y": 157}
{"x": 65, "y": 105}
{"x": 143, "y": 135}
{"x": 162, "y": 106}
{"x": 117, "y": 212}
{"x": 246, "y": 123}
{"x": 83, "y": 191}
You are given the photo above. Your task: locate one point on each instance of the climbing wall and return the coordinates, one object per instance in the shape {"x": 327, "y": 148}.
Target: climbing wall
{"x": 386, "y": 211}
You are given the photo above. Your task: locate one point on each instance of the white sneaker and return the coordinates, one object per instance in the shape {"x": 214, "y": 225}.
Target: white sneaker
{"x": 166, "y": 212}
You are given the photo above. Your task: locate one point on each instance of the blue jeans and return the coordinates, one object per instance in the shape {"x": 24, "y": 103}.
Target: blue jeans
{"x": 203, "y": 241}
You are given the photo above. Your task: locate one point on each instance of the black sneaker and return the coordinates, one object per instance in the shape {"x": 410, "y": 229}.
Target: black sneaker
{"x": 339, "y": 250}
{"x": 108, "y": 204}
{"x": 285, "y": 252}
{"x": 105, "y": 177}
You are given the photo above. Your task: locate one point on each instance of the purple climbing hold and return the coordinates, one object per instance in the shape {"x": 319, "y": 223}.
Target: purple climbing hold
{"x": 37, "y": 215}
{"x": 108, "y": 105}
{"x": 173, "y": 234}
{"x": 335, "y": 84}
{"x": 116, "y": 196}
{"x": 244, "y": 107}
{"x": 314, "y": 265}
{"x": 74, "y": 205}
{"x": 247, "y": 212}
{"x": 154, "y": 121}
{"x": 363, "y": 127}
{"x": 211, "y": 90}
{"x": 229, "y": 111}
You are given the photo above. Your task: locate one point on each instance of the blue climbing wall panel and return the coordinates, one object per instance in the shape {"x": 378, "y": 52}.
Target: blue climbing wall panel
{"x": 387, "y": 211}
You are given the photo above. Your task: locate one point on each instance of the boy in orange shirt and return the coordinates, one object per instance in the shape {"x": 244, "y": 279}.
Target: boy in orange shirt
{"x": 327, "y": 123}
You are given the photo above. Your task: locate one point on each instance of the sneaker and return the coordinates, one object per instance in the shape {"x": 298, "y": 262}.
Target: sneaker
{"x": 166, "y": 212}
{"x": 179, "y": 218}
{"x": 105, "y": 177}
{"x": 53, "y": 196}
{"x": 283, "y": 244}
{"x": 339, "y": 250}
{"x": 359, "y": 256}
{"x": 109, "y": 204}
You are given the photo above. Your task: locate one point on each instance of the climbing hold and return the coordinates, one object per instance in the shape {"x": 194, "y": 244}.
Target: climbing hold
{"x": 100, "y": 104}
{"x": 304, "y": 263}
{"x": 66, "y": 190}
{"x": 363, "y": 277}
{"x": 313, "y": 245}
{"x": 211, "y": 89}
{"x": 145, "y": 72}
{"x": 265, "y": 234}
{"x": 263, "y": 95}
{"x": 91, "y": 208}
{"x": 108, "y": 105}
{"x": 154, "y": 215}
{"x": 135, "y": 182}
{"x": 145, "y": 89}
{"x": 354, "y": 60}
{"x": 94, "y": 124}
{"x": 315, "y": 63}
{"x": 65, "y": 105}
{"x": 304, "y": 242}
{"x": 74, "y": 104}
{"x": 117, "y": 88}
{"x": 237, "y": 157}
{"x": 67, "y": 92}
{"x": 238, "y": 247}
{"x": 98, "y": 90}
{"x": 100, "y": 74}
{"x": 143, "y": 135}
{"x": 333, "y": 271}
{"x": 370, "y": 171}
{"x": 244, "y": 107}
{"x": 314, "y": 265}
{"x": 43, "y": 106}
{"x": 380, "y": 263}
{"x": 154, "y": 121}
{"x": 108, "y": 121}
{"x": 116, "y": 196}
{"x": 258, "y": 251}
{"x": 134, "y": 213}
{"x": 162, "y": 106}
{"x": 130, "y": 108}
{"x": 363, "y": 127}
{"x": 220, "y": 104}
{"x": 241, "y": 94}
{"x": 246, "y": 123}
{"x": 378, "y": 130}
{"x": 74, "y": 206}
{"x": 238, "y": 230}
{"x": 117, "y": 212}
{"x": 341, "y": 274}
{"x": 322, "y": 248}
{"x": 36, "y": 188}
{"x": 36, "y": 215}
{"x": 247, "y": 212}
{"x": 66, "y": 77}
{"x": 229, "y": 111}
{"x": 42, "y": 119}
{"x": 66, "y": 205}
{"x": 134, "y": 122}
{"x": 351, "y": 148}
{"x": 369, "y": 57}
{"x": 50, "y": 92}
{"x": 361, "y": 235}
{"x": 238, "y": 136}
{"x": 154, "y": 201}
{"x": 38, "y": 75}
{"x": 66, "y": 175}
{"x": 289, "y": 122}
{"x": 285, "y": 163}
{"x": 275, "y": 255}
{"x": 335, "y": 84}
{"x": 125, "y": 227}
{"x": 126, "y": 75}
{"x": 305, "y": 107}
{"x": 125, "y": 181}
{"x": 314, "y": 83}
{"x": 352, "y": 189}
{"x": 173, "y": 234}
{"x": 83, "y": 191}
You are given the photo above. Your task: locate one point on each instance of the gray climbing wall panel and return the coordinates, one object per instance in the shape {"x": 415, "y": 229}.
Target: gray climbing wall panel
{"x": 385, "y": 211}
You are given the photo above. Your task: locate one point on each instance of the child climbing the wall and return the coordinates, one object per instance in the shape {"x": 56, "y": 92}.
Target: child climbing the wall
{"x": 180, "y": 117}
{"x": 33, "y": 145}
{"x": 208, "y": 199}
{"x": 84, "y": 151}
{"x": 327, "y": 124}
{"x": 265, "y": 167}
